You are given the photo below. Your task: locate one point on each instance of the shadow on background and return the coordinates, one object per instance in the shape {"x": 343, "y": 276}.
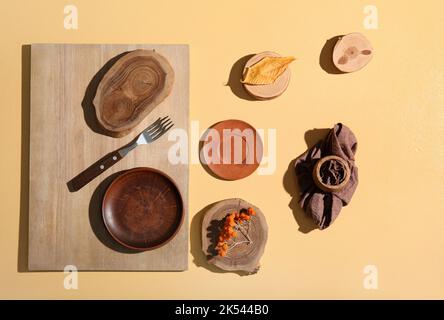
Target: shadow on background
{"x": 234, "y": 79}
{"x": 22, "y": 261}
{"x": 199, "y": 257}
{"x": 290, "y": 183}
{"x": 326, "y": 56}
{"x": 313, "y": 136}
{"x": 89, "y": 112}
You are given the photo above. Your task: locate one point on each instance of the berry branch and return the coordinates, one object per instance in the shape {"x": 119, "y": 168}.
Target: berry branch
{"x": 234, "y": 223}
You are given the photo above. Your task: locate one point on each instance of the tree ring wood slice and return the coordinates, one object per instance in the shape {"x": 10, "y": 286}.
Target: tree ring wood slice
{"x": 243, "y": 257}
{"x": 267, "y": 91}
{"x": 352, "y": 52}
{"x": 131, "y": 89}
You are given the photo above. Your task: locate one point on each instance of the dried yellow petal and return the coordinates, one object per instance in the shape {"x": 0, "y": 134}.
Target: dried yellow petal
{"x": 266, "y": 70}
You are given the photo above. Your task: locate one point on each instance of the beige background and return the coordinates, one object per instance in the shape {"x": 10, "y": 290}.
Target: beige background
{"x": 394, "y": 106}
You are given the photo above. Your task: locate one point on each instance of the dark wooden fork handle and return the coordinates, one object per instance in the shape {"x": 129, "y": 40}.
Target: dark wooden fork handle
{"x": 86, "y": 176}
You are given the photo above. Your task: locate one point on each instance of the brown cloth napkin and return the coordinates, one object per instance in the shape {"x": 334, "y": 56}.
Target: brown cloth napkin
{"x": 324, "y": 207}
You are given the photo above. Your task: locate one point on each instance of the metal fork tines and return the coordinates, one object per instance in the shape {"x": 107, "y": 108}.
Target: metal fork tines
{"x": 153, "y": 132}
{"x": 156, "y": 130}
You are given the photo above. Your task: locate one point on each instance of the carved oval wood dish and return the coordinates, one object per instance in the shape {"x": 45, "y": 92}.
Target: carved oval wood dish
{"x": 131, "y": 89}
{"x": 246, "y": 248}
{"x": 142, "y": 209}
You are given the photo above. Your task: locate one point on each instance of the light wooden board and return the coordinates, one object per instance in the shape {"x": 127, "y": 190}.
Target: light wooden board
{"x": 65, "y": 228}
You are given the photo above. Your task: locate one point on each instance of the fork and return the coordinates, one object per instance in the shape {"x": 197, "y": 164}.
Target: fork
{"x": 150, "y": 134}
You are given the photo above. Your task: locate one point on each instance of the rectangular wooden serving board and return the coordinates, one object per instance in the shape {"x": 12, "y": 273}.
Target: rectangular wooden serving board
{"x": 65, "y": 228}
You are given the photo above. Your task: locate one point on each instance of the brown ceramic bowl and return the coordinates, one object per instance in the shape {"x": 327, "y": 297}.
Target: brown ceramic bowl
{"x": 142, "y": 209}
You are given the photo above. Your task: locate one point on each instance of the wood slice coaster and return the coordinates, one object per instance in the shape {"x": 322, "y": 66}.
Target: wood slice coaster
{"x": 142, "y": 209}
{"x": 243, "y": 146}
{"x": 352, "y": 52}
{"x": 268, "y": 91}
{"x": 131, "y": 89}
{"x": 244, "y": 256}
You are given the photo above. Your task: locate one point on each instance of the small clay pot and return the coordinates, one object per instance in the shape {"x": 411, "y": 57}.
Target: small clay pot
{"x": 318, "y": 178}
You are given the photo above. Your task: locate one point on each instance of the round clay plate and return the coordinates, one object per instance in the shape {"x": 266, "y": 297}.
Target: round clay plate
{"x": 142, "y": 209}
{"x": 244, "y": 256}
{"x": 267, "y": 91}
{"x": 352, "y": 52}
{"x": 243, "y": 153}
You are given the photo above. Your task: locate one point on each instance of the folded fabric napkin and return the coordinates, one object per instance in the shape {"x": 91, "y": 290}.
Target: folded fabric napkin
{"x": 322, "y": 206}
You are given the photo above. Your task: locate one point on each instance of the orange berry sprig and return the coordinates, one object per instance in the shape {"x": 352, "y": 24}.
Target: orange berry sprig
{"x": 228, "y": 232}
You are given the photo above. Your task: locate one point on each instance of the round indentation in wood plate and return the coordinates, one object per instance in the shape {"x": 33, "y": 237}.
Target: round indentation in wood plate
{"x": 352, "y": 52}
{"x": 267, "y": 91}
{"x": 232, "y": 149}
{"x": 246, "y": 255}
{"x": 331, "y": 173}
{"x": 142, "y": 209}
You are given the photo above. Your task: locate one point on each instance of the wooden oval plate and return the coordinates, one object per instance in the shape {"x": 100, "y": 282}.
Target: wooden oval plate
{"x": 246, "y": 255}
{"x": 131, "y": 89}
{"x": 268, "y": 91}
{"x": 244, "y": 158}
{"x": 142, "y": 209}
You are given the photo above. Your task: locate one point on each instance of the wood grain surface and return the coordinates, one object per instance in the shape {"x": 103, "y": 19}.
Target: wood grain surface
{"x": 131, "y": 89}
{"x": 243, "y": 257}
{"x": 352, "y": 52}
{"x": 66, "y": 228}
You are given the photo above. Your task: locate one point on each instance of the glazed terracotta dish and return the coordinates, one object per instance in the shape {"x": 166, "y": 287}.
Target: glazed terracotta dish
{"x": 142, "y": 209}
{"x": 232, "y": 149}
